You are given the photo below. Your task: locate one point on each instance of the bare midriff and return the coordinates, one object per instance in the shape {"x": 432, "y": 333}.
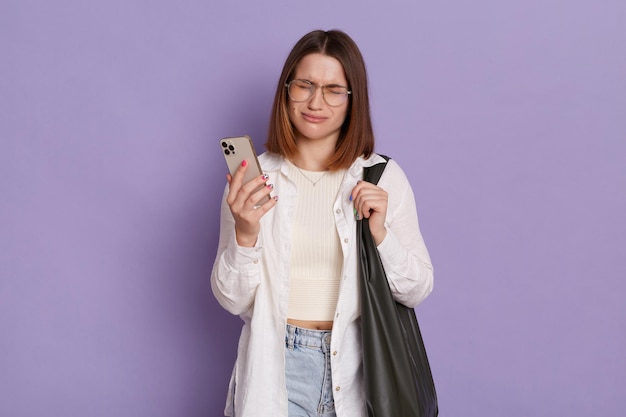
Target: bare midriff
{"x": 314, "y": 325}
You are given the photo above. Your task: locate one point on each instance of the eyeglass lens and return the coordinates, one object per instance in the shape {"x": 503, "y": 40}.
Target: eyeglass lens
{"x": 301, "y": 90}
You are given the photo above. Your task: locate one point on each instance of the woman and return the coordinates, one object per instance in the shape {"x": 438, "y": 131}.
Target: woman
{"x": 288, "y": 268}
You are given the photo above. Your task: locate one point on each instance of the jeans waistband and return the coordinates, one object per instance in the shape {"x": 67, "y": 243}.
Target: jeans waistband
{"x": 298, "y": 336}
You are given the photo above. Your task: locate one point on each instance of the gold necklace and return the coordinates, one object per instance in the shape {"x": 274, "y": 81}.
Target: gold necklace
{"x": 309, "y": 179}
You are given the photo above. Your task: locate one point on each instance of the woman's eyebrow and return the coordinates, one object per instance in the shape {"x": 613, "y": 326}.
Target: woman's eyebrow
{"x": 325, "y": 85}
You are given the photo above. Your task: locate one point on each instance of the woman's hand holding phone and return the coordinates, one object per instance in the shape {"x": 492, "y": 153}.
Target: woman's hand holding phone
{"x": 249, "y": 194}
{"x": 242, "y": 200}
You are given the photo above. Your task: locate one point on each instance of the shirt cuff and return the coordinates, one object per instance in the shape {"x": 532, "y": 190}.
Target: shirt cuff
{"x": 243, "y": 258}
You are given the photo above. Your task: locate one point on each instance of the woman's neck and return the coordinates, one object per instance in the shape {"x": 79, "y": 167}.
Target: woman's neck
{"x": 313, "y": 155}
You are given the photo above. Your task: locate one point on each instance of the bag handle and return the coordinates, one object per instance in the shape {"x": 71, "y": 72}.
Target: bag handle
{"x": 372, "y": 174}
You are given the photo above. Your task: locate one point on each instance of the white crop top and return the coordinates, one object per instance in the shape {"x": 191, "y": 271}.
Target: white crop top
{"x": 316, "y": 257}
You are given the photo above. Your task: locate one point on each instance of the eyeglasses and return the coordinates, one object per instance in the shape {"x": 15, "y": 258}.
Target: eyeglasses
{"x": 302, "y": 90}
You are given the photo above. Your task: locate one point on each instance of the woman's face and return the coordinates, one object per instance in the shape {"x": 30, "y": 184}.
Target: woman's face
{"x": 314, "y": 119}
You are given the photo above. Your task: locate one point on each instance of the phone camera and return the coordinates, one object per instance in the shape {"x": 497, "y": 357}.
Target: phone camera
{"x": 228, "y": 149}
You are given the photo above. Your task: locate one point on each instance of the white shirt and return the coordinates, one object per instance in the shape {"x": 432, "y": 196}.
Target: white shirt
{"x": 254, "y": 284}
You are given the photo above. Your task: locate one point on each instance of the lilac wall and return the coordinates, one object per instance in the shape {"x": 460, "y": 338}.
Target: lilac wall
{"x": 515, "y": 114}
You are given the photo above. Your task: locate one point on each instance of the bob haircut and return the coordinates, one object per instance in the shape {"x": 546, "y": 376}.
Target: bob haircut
{"x": 356, "y": 136}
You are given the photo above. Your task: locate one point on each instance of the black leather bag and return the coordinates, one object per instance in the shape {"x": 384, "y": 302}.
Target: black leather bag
{"x": 398, "y": 378}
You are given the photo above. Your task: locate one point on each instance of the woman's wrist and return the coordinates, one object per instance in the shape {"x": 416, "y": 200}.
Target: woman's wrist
{"x": 246, "y": 242}
{"x": 379, "y": 236}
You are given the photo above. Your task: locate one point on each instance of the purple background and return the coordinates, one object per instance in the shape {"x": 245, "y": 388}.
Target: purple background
{"x": 509, "y": 118}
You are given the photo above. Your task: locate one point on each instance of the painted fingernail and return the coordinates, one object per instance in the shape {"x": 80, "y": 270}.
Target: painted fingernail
{"x": 350, "y": 197}
{"x": 265, "y": 177}
{"x": 356, "y": 214}
{"x": 275, "y": 198}
{"x": 270, "y": 186}
{"x": 244, "y": 163}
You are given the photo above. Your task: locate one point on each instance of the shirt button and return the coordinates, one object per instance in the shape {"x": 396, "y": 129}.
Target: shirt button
{"x": 336, "y": 315}
{"x": 338, "y": 211}
{"x": 256, "y": 261}
{"x": 335, "y": 353}
{"x": 337, "y": 388}
{"x": 346, "y": 240}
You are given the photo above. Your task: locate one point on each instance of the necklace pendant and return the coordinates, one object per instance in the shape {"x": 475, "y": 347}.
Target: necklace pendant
{"x": 314, "y": 183}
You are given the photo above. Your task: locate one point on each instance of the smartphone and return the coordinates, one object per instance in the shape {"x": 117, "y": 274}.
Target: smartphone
{"x": 235, "y": 150}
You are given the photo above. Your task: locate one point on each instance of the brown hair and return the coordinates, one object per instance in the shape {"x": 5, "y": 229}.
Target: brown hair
{"x": 356, "y": 137}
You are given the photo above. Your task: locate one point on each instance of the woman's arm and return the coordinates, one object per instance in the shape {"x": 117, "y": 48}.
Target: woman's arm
{"x": 236, "y": 272}
{"x": 402, "y": 251}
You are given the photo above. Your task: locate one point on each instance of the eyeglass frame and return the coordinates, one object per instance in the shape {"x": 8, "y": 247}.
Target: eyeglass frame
{"x": 315, "y": 87}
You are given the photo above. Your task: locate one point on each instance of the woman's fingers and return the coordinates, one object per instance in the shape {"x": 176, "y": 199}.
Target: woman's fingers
{"x": 241, "y": 194}
{"x": 368, "y": 199}
{"x": 370, "y": 202}
{"x": 235, "y": 182}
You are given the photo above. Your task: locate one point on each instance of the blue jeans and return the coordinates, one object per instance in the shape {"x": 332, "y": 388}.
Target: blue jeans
{"x": 307, "y": 369}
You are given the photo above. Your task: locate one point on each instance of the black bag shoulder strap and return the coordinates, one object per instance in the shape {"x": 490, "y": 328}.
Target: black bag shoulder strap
{"x": 372, "y": 174}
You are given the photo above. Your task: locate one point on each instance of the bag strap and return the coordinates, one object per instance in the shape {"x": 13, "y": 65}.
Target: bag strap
{"x": 372, "y": 174}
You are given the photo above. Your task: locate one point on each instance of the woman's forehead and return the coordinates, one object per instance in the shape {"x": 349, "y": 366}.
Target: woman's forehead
{"x": 320, "y": 69}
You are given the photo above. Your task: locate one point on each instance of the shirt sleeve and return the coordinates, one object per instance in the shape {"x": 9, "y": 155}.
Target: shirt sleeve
{"x": 403, "y": 251}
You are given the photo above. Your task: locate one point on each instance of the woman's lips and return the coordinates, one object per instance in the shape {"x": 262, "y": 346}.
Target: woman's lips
{"x": 313, "y": 119}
